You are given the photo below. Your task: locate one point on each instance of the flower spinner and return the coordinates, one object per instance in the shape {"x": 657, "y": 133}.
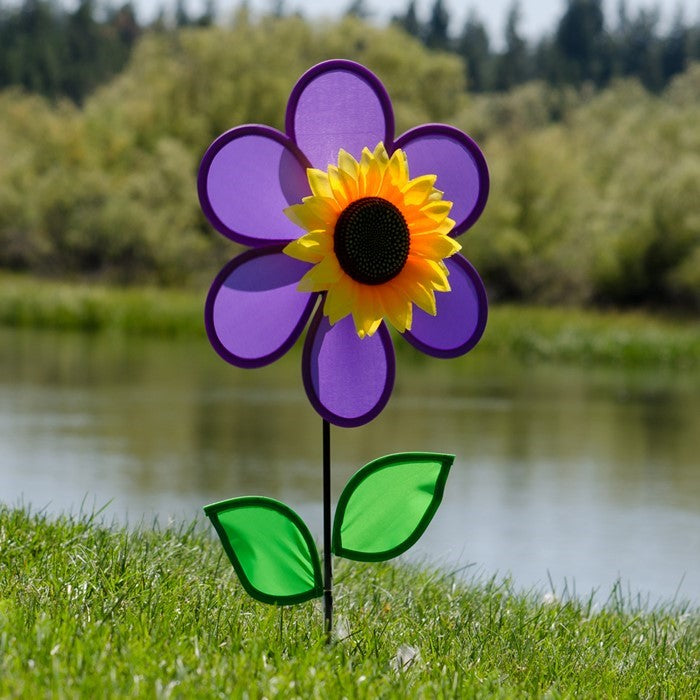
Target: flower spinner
{"x": 351, "y": 226}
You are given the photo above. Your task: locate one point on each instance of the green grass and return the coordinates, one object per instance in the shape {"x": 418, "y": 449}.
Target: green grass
{"x": 96, "y": 612}
{"x": 602, "y": 337}
{"x": 38, "y": 303}
{"x": 526, "y": 332}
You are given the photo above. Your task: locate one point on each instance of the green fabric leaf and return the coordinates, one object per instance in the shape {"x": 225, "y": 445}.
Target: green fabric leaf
{"x": 270, "y": 548}
{"x": 386, "y": 505}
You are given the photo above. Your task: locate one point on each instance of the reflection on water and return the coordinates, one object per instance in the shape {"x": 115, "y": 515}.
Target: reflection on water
{"x": 581, "y": 474}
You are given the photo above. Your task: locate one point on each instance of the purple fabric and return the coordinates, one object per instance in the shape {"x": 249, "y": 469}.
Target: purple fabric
{"x": 249, "y": 175}
{"x": 461, "y": 314}
{"x": 348, "y": 380}
{"x": 462, "y": 174}
{"x": 335, "y": 105}
{"x": 254, "y": 312}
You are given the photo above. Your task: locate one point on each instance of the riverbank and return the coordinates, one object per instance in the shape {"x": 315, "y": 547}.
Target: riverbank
{"x": 526, "y": 332}
{"x": 91, "y": 611}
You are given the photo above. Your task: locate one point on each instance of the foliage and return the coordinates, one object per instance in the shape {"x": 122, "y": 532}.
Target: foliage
{"x": 598, "y": 206}
{"x": 593, "y": 194}
{"x": 91, "y": 611}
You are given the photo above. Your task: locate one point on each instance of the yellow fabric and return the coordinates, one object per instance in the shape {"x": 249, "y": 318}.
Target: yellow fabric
{"x": 426, "y": 214}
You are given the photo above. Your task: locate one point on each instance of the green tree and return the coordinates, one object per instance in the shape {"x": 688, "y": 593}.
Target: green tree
{"x": 638, "y": 49}
{"x": 357, "y": 8}
{"x": 409, "y": 20}
{"x": 581, "y": 42}
{"x": 474, "y": 47}
{"x": 182, "y": 16}
{"x": 437, "y": 28}
{"x": 512, "y": 66}
{"x": 56, "y": 53}
{"x": 86, "y": 56}
{"x": 34, "y": 48}
{"x": 674, "y": 48}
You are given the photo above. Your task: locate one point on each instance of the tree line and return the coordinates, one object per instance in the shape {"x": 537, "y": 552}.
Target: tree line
{"x": 47, "y": 49}
{"x": 55, "y": 52}
{"x": 58, "y": 53}
{"x": 582, "y": 48}
{"x": 593, "y": 193}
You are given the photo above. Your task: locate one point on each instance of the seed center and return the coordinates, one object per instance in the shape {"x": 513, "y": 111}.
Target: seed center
{"x": 371, "y": 240}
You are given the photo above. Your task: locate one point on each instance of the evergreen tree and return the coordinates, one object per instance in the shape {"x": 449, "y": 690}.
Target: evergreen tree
{"x": 277, "y": 8}
{"x": 473, "y": 47}
{"x": 409, "y": 20}
{"x": 357, "y": 8}
{"x": 126, "y": 27}
{"x": 693, "y": 44}
{"x": 86, "y": 56}
{"x": 182, "y": 17}
{"x": 638, "y": 49}
{"x": 57, "y": 53}
{"x": 674, "y": 49}
{"x": 34, "y": 48}
{"x": 512, "y": 65}
{"x": 437, "y": 36}
{"x": 580, "y": 40}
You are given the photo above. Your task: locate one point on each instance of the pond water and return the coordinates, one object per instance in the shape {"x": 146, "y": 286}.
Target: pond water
{"x": 575, "y": 475}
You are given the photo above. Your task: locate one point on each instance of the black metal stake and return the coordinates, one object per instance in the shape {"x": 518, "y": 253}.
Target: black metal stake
{"x": 327, "y": 563}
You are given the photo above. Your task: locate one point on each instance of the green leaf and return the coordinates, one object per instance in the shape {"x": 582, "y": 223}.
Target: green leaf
{"x": 386, "y": 505}
{"x": 270, "y": 548}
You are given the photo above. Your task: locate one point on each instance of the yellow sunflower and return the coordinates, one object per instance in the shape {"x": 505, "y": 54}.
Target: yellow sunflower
{"x": 376, "y": 237}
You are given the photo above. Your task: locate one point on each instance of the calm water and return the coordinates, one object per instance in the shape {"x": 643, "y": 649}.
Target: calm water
{"x": 580, "y": 475}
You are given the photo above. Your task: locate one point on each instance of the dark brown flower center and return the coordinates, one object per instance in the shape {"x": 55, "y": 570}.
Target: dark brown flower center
{"x": 371, "y": 240}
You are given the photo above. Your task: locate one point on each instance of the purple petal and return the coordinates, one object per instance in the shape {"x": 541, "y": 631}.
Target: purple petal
{"x": 461, "y": 314}
{"x": 462, "y": 173}
{"x": 254, "y": 313}
{"x": 338, "y": 104}
{"x": 248, "y": 176}
{"x": 348, "y": 380}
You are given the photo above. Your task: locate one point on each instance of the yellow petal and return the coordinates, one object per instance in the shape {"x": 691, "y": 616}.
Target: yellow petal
{"x": 318, "y": 181}
{"x": 422, "y": 225}
{"x": 366, "y": 160}
{"x": 397, "y": 306}
{"x": 313, "y": 213}
{"x": 350, "y": 184}
{"x": 366, "y": 312}
{"x": 426, "y": 272}
{"x": 339, "y": 299}
{"x": 348, "y": 164}
{"x": 322, "y": 276}
{"x": 370, "y": 174}
{"x": 437, "y": 210}
{"x": 398, "y": 168}
{"x": 381, "y": 156}
{"x": 434, "y": 246}
{"x": 417, "y": 191}
{"x": 312, "y": 247}
{"x": 340, "y": 194}
{"x": 424, "y": 297}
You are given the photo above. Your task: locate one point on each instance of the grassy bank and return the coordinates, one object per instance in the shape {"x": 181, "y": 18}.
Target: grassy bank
{"x": 532, "y": 333}
{"x": 37, "y": 303}
{"x": 87, "y": 611}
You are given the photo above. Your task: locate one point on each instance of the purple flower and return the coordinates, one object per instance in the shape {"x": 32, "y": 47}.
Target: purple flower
{"x": 249, "y": 182}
